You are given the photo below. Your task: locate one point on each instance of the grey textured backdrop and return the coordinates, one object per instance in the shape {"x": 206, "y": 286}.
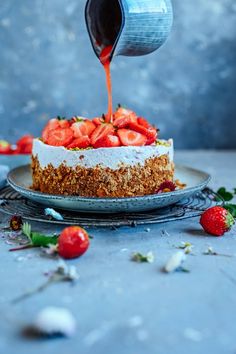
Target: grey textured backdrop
{"x": 188, "y": 87}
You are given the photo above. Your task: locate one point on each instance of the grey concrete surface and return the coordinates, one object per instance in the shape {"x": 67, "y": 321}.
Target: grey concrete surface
{"x": 129, "y": 308}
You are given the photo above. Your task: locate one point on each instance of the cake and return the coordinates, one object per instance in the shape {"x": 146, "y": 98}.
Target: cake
{"x": 91, "y": 158}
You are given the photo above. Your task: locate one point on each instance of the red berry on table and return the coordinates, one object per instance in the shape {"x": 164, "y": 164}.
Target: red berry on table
{"x": 60, "y": 137}
{"x": 5, "y": 147}
{"x": 82, "y": 143}
{"x": 25, "y": 144}
{"x": 73, "y": 242}
{"x": 216, "y": 221}
{"x": 131, "y": 138}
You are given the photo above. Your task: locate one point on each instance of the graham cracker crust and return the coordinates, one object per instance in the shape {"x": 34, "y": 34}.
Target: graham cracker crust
{"x": 127, "y": 181}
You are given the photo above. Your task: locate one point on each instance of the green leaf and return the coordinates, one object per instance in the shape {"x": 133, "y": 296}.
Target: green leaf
{"x": 226, "y": 195}
{"x": 26, "y": 230}
{"x": 141, "y": 258}
{"x": 231, "y": 208}
{"x": 41, "y": 240}
{"x": 37, "y": 239}
{"x": 234, "y": 190}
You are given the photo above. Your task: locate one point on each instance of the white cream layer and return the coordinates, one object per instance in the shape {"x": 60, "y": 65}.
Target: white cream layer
{"x": 105, "y": 157}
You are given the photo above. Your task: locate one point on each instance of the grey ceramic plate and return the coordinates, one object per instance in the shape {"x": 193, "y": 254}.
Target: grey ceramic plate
{"x": 20, "y": 179}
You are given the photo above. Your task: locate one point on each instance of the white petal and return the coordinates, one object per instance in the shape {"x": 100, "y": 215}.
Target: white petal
{"x": 55, "y": 320}
{"x": 174, "y": 261}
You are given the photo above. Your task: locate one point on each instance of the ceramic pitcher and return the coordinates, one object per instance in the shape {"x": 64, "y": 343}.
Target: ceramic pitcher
{"x": 131, "y": 27}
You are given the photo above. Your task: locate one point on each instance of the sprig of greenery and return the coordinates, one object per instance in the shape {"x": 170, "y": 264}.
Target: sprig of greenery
{"x": 37, "y": 239}
{"x": 186, "y": 246}
{"x": 211, "y": 252}
{"x": 63, "y": 273}
{"x": 227, "y": 197}
{"x": 142, "y": 258}
{"x": 231, "y": 208}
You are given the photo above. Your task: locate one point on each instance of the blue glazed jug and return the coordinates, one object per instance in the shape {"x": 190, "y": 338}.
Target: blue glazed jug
{"x": 130, "y": 27}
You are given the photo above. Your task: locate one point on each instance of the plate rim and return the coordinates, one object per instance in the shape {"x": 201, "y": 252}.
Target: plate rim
{"x": 28, "y": 191}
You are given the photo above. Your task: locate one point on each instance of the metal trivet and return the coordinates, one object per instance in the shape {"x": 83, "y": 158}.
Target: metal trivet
{"x": 12, "y": 202}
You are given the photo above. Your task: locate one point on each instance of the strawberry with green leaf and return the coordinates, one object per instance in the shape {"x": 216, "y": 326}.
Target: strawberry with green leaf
{"x": 217, "y": 220}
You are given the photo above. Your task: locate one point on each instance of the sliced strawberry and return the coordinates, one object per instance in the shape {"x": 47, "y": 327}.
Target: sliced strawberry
{"x": 60, "y": 137}
{"x": 82, "y": 142}
{"x": 98, "y": 120}
{"x": 150, "y": 133}
{"x": 24, "y": 144}
{"x": 131, "y": 138}
{"x": 152, "y": 137}
{"x": 142, "y": 121}
{"x": 121, "y": 112}
{"x": 64, "y": 123}
{"x": 53, "y": 124}
{"x": 83, "y": 128}
{"x": 101, "y": 131}
{"x": 108, "y": 141}
{"x": 122, "y": 121}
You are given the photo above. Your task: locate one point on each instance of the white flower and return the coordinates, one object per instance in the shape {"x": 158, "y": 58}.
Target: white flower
{"x": 69, "y": 272}
{"x": 55, "y": 320}
{"x": 174, "y": 262}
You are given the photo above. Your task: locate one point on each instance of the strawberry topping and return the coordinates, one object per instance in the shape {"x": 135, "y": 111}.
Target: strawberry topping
{"x": 150, "y": 133}
{"x": 108, "y": 141}
{"x": 82, "y": 143}
{"x": 53, "y": 124}
{"x": 101, "y": 131}
{"x": 142, "y": 121}
{"x": 60, "y": 137}
{"x": 83, "y": 128}
{"x": 131, "y": 138}
{"x": 78, "y": 132}
{"x": 98, "y": 120}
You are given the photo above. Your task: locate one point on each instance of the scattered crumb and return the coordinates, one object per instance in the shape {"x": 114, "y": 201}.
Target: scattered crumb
{"x": 179, "y": 184}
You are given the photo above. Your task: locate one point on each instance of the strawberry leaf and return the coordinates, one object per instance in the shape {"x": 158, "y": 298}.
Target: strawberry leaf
{"x": 226, "y": 195}
{"x": 231, "y": 208}
{"x": 26, "y": 230}
{"x": 40, "y": 240}
{"x": 37, "y": 239}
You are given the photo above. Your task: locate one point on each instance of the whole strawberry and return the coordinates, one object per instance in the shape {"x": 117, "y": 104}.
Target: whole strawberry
{"x": 73, "y": 242}
{"x": 216, "y": 221}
